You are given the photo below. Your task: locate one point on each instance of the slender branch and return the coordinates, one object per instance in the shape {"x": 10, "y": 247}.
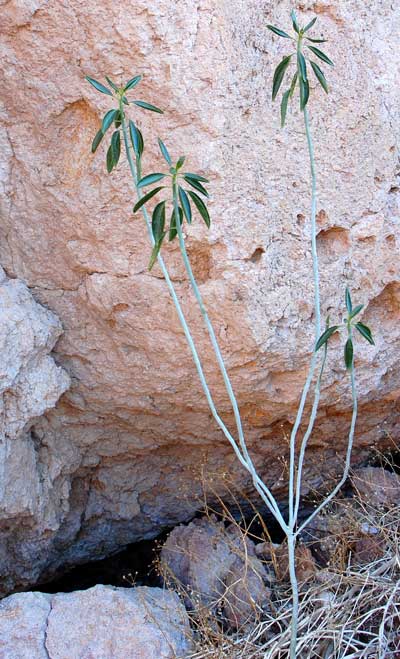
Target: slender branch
{"x": 307, "y": 435}
{"x": 317, "y": 313}
{"x": 258, "y": 483}
{"x": 317, "y": 304}
{"x": 213, "y": 338}
{"x": 294, "y": 495}
{"x": 261, "y": 488}
{"x": 291, "y": 542}
{"x": 348, "y": 453}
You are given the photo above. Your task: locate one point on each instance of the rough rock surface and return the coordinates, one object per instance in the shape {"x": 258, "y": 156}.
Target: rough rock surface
{"x": 377, "y": 487}
{"x": 30, "y": 384}
{"x": 217, "y": 568}
{"x": 126, "y": 443}
{"x": 106, "y": 622}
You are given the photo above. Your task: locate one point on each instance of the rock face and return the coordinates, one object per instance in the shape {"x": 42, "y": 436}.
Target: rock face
{"x": 30, "y": 384}
{"x": 127, "y": 442}
{"x": 106, "y": 622}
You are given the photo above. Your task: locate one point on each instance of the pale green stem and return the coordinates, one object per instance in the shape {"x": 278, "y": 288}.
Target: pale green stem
{"x": 291, "y": 542}
{"x": 213, "y": 338}
{"x": 292, "y": 495}
{"x": 260, "y": 486}
{"x": 270, "y": 502}
{"x": 317, "y": 313}
{"x": 177, "y": 303}
{"x": 317, "y": 304}
{"x": 307, "y": 435}
{"x": 348, "y": 454}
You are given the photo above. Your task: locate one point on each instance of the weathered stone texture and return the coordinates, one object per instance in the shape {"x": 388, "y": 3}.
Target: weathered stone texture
{"x": 125, "y": 442}
{"x": 30, "y": 385}
{"x": 106, "y": 622}
{"x": 217, "y": 569}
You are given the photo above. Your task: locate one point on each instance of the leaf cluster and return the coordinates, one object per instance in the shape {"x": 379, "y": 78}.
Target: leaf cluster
{"x": 349, "y": 323}
{"x": 300, "y": 77}
{"x": 113, "y": 118}
{"x": 182, "y": 200}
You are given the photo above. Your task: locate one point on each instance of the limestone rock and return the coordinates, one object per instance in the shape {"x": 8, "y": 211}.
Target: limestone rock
{"x": 23, "y": 624}
{"x": 30, "y": 384}
{"x": 106, "y": 622}
{"x": 30, "y": 381}
{"x": 218, "y": 569}
{"x": 125, "y": 448}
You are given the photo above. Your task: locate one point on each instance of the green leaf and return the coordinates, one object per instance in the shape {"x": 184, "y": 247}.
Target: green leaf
{"x": 150, "y": 178}
{"x": 116, "y": 147}
{"x": 310, "y": 24}
{"x": 304, "y": 93}
{"x": 293, "y": 85}
{"x": 196, "y": 185}
{"x": 321, "y": 55}
{"x": 146, "y": 198}
{"x": 356, "y": 310}
{"x": 164, "y": 152}
{"x": 97, "y": 85}
{"x": 141, "y": 142}
{"x": 148, "y": 106}
{"x": 325, "y": 336}
{"x": 117, "y": 119}
{"x": 110, "y": 82}
{"x": 155, "y": 252}
{"x": 158, "y": 221}
{"x": 294, "y": 21}
{"x": 284, "y": 104}
{"x": 320, "y": 76}
{"x": 279, "y": 32}
{"x": 180, "y": 162}
{"x": 365, "y": 332}
{"x": 348, "y": 353}
{"x": 184, "y": 199}
{"x": 125, "y": 100}
{"x": 279, "y": 75}
{"x": 108, "y": 120}
{"x": 196, "y": 177}
{"x": 110, "y": 159}
{"x": 316, "y": 40}
{"x": 136, "y": 139}
{"x": 132, "y": 83}
{"x": 302, "y": 66}
{"x": 172, "y": 226}
{"x": 201, "y": 207}
{"x": 97, "y": 139}
{"x": 349, "y": 305}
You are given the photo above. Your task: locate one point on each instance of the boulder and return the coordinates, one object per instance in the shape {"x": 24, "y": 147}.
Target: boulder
{"x": 217, "y": 569}
{"x": 377, "y": 487}
{"x": 106, "y": 622}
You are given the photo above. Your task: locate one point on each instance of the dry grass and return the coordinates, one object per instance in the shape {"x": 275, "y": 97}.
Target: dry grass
{"x": 348, "y": 611}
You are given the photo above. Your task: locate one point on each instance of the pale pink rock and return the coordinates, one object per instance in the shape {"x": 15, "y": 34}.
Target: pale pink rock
{"x": 100, "y": 623}
{"x": 127, "y": 444}
{"x": 23, "y": 623}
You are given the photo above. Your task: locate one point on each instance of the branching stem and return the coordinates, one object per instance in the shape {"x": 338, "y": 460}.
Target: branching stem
{"x": 246, "y": 462}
